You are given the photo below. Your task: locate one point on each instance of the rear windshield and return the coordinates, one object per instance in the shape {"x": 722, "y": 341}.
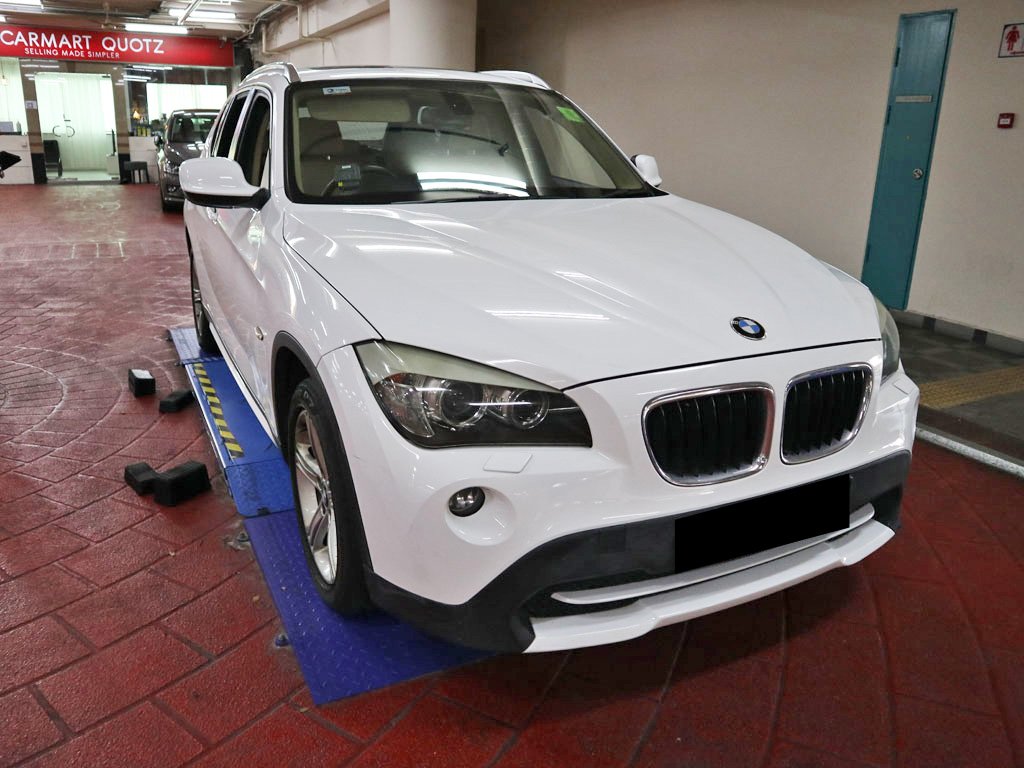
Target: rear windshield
{"x": 189, "y": 129}
{"x": 420, "y": 140}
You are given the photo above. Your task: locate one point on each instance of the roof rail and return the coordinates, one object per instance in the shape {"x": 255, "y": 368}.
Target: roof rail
{"x": 518, "y": 75}
{"x": 285, "y": 68}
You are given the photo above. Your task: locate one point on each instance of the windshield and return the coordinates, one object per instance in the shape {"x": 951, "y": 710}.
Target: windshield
{"x": 189, "y": 129}
{"x": 440, "y": 140}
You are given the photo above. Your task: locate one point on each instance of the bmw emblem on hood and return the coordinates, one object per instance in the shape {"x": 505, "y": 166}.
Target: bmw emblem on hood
{"x": 748, "y": 328}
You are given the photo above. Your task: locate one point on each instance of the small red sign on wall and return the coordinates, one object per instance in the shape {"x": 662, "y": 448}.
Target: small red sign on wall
{"x": 1006, "y": 120}
{"x": 1012, "y": 41}
{"x": 99, "y": 45}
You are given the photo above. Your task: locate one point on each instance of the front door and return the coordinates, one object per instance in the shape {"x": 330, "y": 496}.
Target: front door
{"x": 919, "y": 68}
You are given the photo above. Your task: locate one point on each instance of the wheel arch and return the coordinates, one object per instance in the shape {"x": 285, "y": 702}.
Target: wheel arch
{"x": 290, "y": 365}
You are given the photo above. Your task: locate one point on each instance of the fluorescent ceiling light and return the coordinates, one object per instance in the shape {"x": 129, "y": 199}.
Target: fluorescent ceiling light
{"x": 203, "y": 15}
{"x": 3, "y": 19}
{"x": 31, "y": 3}
{"x": 137, "y": 78}
{"x": 159, "y": 29}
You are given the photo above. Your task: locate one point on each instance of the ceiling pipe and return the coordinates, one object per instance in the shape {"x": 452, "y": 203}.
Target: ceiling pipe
{"x": 188, "y": 12}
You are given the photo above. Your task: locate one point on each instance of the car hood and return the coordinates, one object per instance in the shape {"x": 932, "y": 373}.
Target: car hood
{"x": 179, "y": 152}
{"x": 570, "y": 291}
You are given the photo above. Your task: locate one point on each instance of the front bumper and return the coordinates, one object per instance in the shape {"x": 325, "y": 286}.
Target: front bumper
{"x": 552, "y": 513}
{"x": 504, "y": 615}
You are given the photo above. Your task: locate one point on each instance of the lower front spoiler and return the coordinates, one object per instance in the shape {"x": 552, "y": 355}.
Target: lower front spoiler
{"x": 524, "y": 608}
{"x": 649, "y": 613}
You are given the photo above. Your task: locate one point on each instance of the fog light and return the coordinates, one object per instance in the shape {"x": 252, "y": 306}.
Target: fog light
{"x": 466, "y": 502}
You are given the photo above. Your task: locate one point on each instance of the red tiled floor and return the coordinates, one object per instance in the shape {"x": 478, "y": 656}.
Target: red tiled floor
{"x": 831, "y": 698}
{"x": 208, "y": 561}
{"x": 143, "y": 737}
{"x": 36, "y": 548}
{"x": 112, "y": 613}
{"x": 117, "y": 677}
{"x": 505, "y": 688}
{"x": 584, "y": 722}
{"x": 221, "y": 698}
{"x": 36, "y": 649}
{"x": 718, "y": 714}
{"x": 136, "y": 635}
{"x": 227, "y": 614}
{"x": 104, "y": 518}
{"x": 117, "y": 557}
{"x": 437, "y": 733}
{"x": 283, "y": 738}
{"x": 931, "y": 646}
{"x": 37, "y": 593}
{"x": 366, "y": 716}
{"x": 930, "y": 735}
{"x": 27, "y": 728}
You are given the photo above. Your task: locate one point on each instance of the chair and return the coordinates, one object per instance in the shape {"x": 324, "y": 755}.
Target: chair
{"x": 136, "y": 169}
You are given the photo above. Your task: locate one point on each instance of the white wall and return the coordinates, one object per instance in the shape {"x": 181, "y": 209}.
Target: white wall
{"x": 424, "y": 33}
{"x": 773, "y": 109}
{"x": 12, "y": 98}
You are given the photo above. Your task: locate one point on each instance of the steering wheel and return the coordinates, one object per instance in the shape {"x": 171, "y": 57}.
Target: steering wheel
{"x": 380, "y": 170}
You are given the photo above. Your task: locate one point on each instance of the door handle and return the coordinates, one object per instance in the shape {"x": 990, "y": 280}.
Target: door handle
{"x": 917, "y": 173}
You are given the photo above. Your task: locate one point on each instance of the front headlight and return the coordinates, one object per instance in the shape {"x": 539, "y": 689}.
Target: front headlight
{"x": 890, "y": 341}
{"x": 438, "y": 401}
{"x": 170, "y": 167}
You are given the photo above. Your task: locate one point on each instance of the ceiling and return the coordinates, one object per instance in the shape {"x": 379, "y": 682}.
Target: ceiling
{"x": 112, "y": 14}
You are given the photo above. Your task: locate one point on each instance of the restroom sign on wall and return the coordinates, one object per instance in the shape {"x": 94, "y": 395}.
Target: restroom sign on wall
{"x": 1012, "y": 42}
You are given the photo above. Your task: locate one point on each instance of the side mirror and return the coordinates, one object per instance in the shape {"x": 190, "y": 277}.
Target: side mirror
{"x": 648, "y": 168}
{"x": 216, "y": 182}
{"x": 158, "y": 140}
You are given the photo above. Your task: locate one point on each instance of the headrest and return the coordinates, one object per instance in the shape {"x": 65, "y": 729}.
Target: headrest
{"x": 359, "y": 109}
{"x": 313, "y": 132}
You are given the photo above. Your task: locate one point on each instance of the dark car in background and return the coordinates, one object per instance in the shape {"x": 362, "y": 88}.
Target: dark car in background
{"x": 184, "y": 134}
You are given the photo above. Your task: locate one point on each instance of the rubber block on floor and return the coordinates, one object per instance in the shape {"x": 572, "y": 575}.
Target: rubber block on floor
{"x": 340, "y": 657}
{"x": 187, "y": 344}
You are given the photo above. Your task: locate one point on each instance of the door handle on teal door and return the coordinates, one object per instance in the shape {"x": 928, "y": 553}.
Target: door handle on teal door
{"x": 917, "y": 173}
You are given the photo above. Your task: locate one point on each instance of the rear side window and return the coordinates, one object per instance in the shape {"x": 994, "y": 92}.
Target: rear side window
{"x": 227, "y": 126}
{"x": 254, "y": 141}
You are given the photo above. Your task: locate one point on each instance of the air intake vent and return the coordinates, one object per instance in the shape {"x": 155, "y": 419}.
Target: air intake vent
{"x": 824, "y": 410}
{"x": 710, "y": 435}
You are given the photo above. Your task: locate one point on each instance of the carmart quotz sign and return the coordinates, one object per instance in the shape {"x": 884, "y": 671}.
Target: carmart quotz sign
{"x": 100, "y": 45}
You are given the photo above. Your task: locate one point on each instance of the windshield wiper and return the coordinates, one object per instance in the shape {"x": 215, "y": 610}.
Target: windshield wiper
{"x": 625, "y": 193}
{"x": 477, "y": 197}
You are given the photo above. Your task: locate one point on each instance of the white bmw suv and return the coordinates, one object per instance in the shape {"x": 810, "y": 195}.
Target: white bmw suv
{"x": 529, "y": 401}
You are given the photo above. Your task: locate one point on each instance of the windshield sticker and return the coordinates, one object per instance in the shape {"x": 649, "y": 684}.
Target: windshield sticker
{"x": 570, "y": 114}
{"x": 336, "y": 89}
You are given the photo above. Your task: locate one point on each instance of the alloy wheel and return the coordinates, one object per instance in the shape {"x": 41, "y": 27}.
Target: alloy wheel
{"x": 316, "y": 503}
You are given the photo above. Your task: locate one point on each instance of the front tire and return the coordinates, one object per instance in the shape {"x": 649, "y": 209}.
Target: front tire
{"x": 325, "y": 503}
{"x": 203, "y": 332}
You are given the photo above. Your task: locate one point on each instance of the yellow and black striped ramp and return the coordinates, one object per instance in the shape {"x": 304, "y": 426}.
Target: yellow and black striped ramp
{"x": 255, "y": 471}
{"x": 220, "y": 424}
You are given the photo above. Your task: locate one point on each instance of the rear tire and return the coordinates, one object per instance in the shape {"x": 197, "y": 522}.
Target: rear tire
{"x": 203, "y": 332}
{"x": 325, "y": 502}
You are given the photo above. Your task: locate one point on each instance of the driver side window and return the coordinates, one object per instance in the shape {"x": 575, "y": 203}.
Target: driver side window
{"x": 254, "y": 141}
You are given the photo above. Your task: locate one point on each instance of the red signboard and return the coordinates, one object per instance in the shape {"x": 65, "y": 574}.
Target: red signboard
{"x": 100, "y": 45}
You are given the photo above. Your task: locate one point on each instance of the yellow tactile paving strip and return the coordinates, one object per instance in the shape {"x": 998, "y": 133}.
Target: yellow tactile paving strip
{"x": 976, "y": 386}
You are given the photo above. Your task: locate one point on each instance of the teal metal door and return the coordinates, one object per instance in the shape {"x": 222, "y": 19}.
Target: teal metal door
{"x": 915, "y": 92}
